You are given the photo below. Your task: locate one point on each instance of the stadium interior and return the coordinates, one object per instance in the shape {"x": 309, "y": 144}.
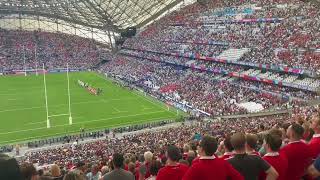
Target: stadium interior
{"x": 159, "y": 89}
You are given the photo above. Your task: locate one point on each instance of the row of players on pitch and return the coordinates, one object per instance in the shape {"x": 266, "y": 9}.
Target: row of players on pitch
{"x": 92, "y": 90}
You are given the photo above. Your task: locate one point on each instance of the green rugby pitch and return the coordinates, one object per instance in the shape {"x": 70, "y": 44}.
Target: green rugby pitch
{"x": 23, "y": 112}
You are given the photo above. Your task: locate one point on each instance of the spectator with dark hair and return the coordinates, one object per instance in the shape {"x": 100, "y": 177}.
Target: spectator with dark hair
{"x": 273, "y": 131}
{"x": 228, "y": 149}
{"x": 154, "y": 169}
{"x": 40, "y": 172}
{"x": 297, "y": 153}
{"x": 250, "y": 166}
{"x": 210, "y": 166}
{"x": 9, "y": 168}
{"x": 28, "y": 171}
{"x": 118, "y": 173}
{"x": 251, "y": 144}
{"x": 272, "y": 143}
{"x": 81, "y": 168}
{"x": 261, "y": 128}
{"x": 173, "y": 169}
{"x": 315, "y": 141}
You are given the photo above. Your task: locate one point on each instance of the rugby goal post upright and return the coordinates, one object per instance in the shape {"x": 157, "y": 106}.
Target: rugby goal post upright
{"x": 46, "y": 95}
{"x": 35, "y": 59}
{"x": 24, "y": 61}
{"x": 70, "y": 116}
{"x": 46, "y": 98}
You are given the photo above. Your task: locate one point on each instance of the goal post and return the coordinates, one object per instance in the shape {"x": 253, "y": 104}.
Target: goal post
{"x": 46, "y": 95}
{"x": 69, "y": 96}
{"x": 46, "y": 99}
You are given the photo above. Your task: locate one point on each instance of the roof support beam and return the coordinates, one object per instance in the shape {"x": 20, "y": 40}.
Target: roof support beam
{"x": 173, "y": 4}
{"x": 104, "y": 14}
{"x": 34, "y": 13}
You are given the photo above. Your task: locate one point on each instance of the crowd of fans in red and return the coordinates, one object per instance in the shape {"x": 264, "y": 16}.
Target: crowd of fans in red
{"x": 271, "y": 147}
{"x": 284, "y": 147}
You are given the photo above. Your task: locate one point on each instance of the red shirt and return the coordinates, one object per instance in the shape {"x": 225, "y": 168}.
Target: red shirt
{"x": 279, "y": 162}
{"x": 212, "y": 168}
{"x": 172, "y": 172}
{"x": 226, "y": 155}
{"x": 314, "y": 146}
{"x": 299, "y": 158}
{"x": 195, "y": 160}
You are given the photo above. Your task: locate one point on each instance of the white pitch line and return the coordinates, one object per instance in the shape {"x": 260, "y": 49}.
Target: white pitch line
{"x": 143, "y": 97}
{"x": 97, "y": 120}
{"x": 61, "y": 105}
{"x": 42, "y": 122}
{"x": 21, "y": 89}
{"x": 146, "y": 108}
{"x": 21, "y": 109}
{"x": 156, "y": 104}
{"x": 63, "y": 133}
{"x": 36, "y": 123}
{"x": 57, "y": 115}
{"x": 74, "y": 90}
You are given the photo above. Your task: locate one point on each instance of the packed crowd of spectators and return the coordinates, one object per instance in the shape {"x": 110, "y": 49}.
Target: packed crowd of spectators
{"x": 274, "y": 146}
{"x": 292, "y": 41}
{"x": 212, "y": 93}
{"x": 139, "y": 143}
{"x": 55, "y": 50}
{"x": 284, "y": 146}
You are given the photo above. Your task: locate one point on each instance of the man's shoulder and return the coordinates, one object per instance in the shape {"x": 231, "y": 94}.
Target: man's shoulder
{"x": 244, "y": 157}
{"x": 120, "y": 171}
{"x": 183, "y": 166}
{"x": 254, "y": 157}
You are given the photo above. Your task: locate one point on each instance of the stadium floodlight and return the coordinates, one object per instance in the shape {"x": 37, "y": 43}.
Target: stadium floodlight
{"x": 70, "y": 116}
{"x": 46, "y": 95}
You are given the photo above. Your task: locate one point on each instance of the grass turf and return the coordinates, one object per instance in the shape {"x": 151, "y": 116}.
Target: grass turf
{"x": 23, "y": 113}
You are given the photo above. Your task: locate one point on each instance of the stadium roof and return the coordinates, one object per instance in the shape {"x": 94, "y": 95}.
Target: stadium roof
{"x": 113, "y": 15}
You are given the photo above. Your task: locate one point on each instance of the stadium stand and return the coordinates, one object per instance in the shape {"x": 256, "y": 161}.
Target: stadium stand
{"x": 246, "y": 71}
{"x": 53, "y": 49}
